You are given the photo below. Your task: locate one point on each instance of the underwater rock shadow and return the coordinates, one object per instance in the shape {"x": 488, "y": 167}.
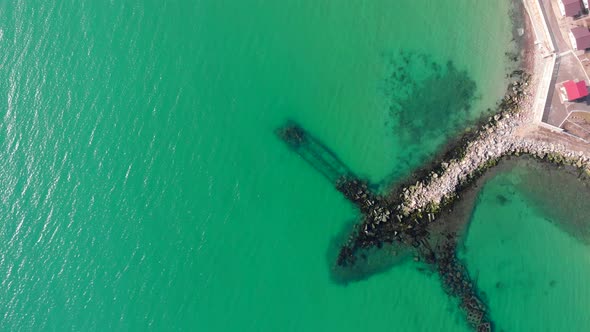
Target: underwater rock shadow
{"x": 369, "y": 263}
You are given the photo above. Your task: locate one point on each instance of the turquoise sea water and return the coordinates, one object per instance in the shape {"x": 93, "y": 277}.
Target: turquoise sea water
{"x": 143, "y": 187}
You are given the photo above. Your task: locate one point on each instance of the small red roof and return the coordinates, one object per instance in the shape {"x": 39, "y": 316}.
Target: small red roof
{"x": 575, "y": 90}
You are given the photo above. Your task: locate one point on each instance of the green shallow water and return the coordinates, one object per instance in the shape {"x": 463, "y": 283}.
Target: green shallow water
{"x": 143, "y": 187}
{"x": 532, "y": 266}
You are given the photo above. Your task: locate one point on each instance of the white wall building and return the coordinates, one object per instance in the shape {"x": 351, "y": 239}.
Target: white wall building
{"x": 561, "y": 8}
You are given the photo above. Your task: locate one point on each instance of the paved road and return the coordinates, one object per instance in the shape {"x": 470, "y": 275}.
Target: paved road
{"x": 567, "y": 67}
{"x": 549, "y": 12}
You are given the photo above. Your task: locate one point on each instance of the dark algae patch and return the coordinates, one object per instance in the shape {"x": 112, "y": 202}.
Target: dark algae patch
{"x": 428, "y": 99}
{"x": 438, "y": 95}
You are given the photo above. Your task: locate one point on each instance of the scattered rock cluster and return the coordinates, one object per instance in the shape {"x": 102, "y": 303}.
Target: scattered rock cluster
{"x": 357, "y": 191}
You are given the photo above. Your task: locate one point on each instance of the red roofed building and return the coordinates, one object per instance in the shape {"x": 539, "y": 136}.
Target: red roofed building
{"x": 571, "y": 90}
{"x": 570, "y": 8}
{"x": 580, "y": 38}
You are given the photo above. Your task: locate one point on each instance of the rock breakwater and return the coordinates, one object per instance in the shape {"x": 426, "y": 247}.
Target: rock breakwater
{"x": 413, "y": 207}
{"x": 404, "y": 216}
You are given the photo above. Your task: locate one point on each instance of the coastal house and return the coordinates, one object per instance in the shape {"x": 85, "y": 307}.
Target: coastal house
{"x": 580, "y": 38}
{"x": 570, "y": 8}
{"x": 571, "y": 90}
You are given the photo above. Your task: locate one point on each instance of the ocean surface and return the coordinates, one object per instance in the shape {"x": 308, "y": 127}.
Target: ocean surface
{"x": 142, "y": 186}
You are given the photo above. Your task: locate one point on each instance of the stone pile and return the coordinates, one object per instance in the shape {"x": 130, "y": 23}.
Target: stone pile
{"x": 457, "y": 283}
{"x": 495, "y": 140}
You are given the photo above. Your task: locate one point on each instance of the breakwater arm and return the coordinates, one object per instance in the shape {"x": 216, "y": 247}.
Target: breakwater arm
{"x": 381, "y": 224}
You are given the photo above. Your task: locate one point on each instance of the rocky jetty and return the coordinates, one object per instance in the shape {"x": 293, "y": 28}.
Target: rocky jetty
{"x": 457, "y": 283}
{"x": 404, "y": 215}
{"x": 493, "y": 141}
{"x": 415, "y": 206}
